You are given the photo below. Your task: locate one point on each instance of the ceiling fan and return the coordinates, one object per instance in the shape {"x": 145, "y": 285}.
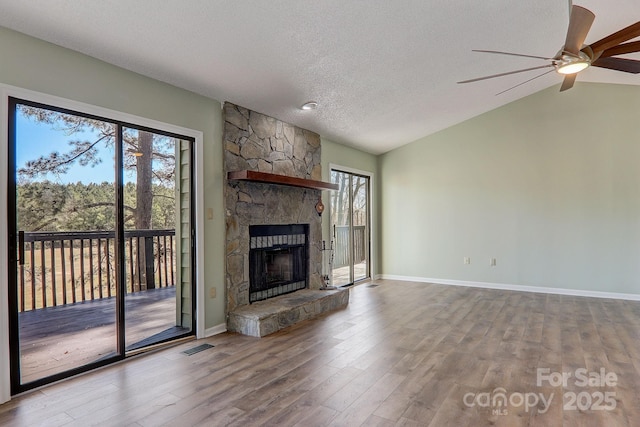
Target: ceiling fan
{"x": 574, "y": 57}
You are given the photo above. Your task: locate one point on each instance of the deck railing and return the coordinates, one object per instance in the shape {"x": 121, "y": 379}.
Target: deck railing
{"x": 341, "y": 255}
{"x": 59, "y": 268}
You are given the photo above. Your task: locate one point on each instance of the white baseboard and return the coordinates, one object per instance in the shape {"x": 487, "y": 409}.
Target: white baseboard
{"x": 509, "y": 287}
{"x": 215, "y": 330}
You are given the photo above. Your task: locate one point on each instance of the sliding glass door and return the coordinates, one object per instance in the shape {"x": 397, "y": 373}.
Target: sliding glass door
{"x": 99, "y": 219}
{"x": 156, "y": 308}
{"x": 350, "y": 219}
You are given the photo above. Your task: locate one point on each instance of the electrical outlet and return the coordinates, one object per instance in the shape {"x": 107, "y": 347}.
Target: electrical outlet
{"x": 492, "y": 262}
{"x": 467, "y": 260}
{"x": 209, "y": 213}
{"x": 212, "y": 293}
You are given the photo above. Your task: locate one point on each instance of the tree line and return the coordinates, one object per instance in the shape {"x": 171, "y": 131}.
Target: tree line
{"x": 44, "y": 205}
{"x": 51, "y": 206}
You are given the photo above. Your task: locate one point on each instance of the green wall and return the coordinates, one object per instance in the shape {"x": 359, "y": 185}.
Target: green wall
{"x": 548, "y": 185}
{"x": 32, "y": 64}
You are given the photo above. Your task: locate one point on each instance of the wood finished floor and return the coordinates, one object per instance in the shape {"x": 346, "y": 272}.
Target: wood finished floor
{"x": 401, "y": 354}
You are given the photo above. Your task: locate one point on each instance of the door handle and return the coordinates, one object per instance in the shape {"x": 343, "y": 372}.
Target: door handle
{"x": 20, "y": 247}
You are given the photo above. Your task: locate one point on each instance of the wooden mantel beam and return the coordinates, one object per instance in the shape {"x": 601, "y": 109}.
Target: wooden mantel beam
{"x": 271, "y": 178}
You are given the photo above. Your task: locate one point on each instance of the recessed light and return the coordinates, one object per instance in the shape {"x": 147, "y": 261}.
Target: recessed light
{"x": 311, "y": 105}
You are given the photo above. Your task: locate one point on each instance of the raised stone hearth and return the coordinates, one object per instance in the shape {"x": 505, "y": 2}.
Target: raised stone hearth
{"x": 255, "y": 142}
{"x": 269, "y": 316}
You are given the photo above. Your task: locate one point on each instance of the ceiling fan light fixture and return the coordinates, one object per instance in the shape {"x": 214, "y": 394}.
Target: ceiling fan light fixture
{"x": 572, "y": 68}
{"x": 569, "y": 64}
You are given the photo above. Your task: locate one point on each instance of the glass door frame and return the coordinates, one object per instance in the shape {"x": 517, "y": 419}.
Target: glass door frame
{"x": 10, "y": 297}
{"x": 370, "y": 237}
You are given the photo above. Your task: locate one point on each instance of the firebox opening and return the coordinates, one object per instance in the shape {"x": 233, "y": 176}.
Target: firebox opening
{"x": 279, "y": 265}
{"x": 278, "y": 260}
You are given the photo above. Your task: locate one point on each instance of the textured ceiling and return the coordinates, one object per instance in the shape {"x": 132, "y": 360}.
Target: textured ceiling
{"x": 383, "y": 72}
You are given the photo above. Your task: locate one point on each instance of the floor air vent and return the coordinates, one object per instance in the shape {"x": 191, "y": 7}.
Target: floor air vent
{"x": 197, "y": 349}
{"x": 371, "y": 286}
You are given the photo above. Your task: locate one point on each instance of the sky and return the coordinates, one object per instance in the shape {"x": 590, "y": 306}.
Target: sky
{"x": 39, "y": 139}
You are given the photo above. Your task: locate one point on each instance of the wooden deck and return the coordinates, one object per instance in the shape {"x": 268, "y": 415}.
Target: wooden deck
{"x": 59, "y": 338}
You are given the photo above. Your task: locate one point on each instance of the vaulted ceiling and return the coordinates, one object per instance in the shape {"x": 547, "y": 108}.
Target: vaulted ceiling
{"x": 384, "y": 73}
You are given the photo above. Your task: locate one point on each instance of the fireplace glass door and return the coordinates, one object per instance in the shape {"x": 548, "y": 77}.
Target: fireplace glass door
{"x": 277, "y": 260}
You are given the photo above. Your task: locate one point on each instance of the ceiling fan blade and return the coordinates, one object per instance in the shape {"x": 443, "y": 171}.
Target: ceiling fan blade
{"x": 621, "y": 49}
{"x": 628, "y": 33}
{"x": 619, "y": 64}
{"x": 526, "y": 81}
{"x": 568, "y": 82}
{"x": 579, "y": 24}
{"x": 506, "y": 74}
{"x": 512, "y": 54}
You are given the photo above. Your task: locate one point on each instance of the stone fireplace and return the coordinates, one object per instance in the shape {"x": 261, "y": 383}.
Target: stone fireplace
{"x": 258, "y": 212}
{"x": 257, "y": 142}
